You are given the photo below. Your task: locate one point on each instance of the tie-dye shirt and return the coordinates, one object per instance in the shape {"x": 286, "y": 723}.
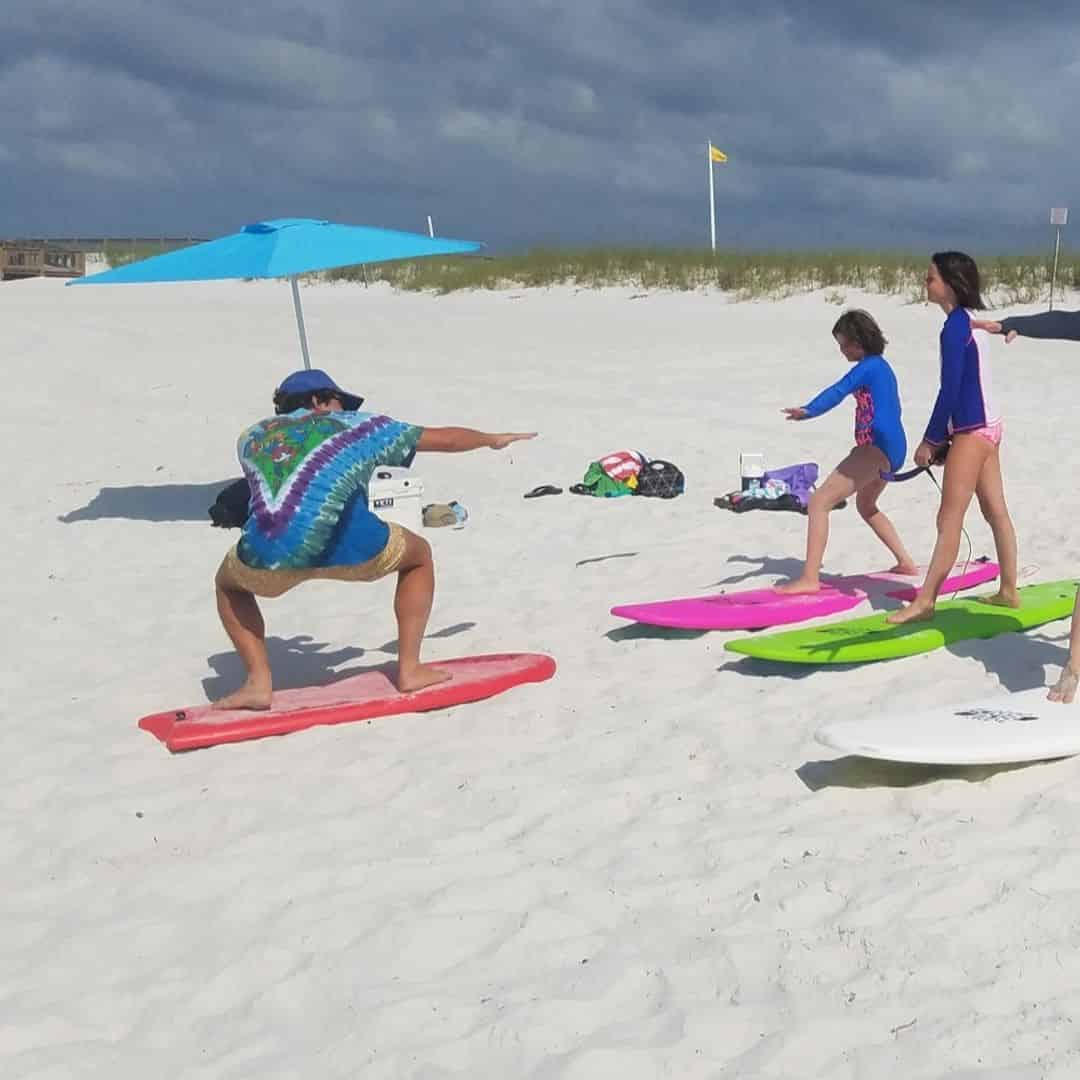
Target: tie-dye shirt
{"x": 308, "y": 473}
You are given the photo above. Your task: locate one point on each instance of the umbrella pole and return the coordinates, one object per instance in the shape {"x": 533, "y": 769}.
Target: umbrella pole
{"x": 300, "y": 320}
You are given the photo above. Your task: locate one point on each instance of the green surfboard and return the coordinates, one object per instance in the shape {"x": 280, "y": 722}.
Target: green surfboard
{"x": 856, "y": 641}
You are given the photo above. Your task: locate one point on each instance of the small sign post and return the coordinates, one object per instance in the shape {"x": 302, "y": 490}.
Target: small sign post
{"x": 1059, "y": 215}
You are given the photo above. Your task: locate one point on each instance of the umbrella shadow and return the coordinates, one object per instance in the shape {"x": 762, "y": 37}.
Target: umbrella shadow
{"x": 146, "y": 502}
{"x": 1018, "y": 660}
{"x": 302, "y": 661}
{"x": 853, "y": 772}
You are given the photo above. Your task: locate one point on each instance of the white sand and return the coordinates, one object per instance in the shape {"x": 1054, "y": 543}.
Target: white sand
{"x": 643, "y": 868}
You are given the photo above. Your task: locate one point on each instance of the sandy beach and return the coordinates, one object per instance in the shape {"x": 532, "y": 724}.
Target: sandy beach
{"x": 645, "y": 867}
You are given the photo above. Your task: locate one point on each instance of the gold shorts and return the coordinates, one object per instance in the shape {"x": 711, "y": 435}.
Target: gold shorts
{"x": 234, "y": 574}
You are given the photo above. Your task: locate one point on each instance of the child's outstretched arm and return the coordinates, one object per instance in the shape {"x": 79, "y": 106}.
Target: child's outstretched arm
{"x": 831, "y": 396}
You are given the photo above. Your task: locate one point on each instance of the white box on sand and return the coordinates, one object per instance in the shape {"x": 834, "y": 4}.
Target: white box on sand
{"x": 395, "y": 494}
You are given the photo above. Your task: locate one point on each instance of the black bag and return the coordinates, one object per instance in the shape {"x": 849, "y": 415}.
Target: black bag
{"x": 660, "y": 480}
{"x": 230, "y": 509}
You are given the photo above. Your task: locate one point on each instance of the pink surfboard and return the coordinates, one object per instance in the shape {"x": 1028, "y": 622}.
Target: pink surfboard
{"x": 365, "y": 696}
{"x": 756, "y": 609}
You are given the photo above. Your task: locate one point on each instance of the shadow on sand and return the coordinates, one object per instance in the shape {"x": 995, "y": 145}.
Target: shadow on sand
{"x": 301, "y": 661}
{"x": 145, "y": 502}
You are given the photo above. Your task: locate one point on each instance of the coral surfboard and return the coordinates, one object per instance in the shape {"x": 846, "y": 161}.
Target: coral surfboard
{"x": 365, "y": 696}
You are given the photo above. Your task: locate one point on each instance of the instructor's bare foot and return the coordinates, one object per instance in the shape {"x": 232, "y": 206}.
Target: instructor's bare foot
{"x": 254, "y": 694}
{"x": 914, "y": 612}
{"x": 420, "y": 676}
{"x": 1064, "y": 690}
{"x": 798, "y": 587}
{"x": 1003, "y": 598}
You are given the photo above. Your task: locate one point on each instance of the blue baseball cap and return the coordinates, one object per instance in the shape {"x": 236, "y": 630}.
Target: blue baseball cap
{"x": 312, "y": 380}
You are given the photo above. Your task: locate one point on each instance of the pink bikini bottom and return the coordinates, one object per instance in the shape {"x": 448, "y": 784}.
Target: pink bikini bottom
{"x": 991, "y": 432}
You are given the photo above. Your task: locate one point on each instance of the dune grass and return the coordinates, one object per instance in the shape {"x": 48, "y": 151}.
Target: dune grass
{"x": 1008, "y": 278}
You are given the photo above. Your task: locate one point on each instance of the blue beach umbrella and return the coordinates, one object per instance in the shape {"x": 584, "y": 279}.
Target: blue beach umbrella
{"x": 285, "y": 247}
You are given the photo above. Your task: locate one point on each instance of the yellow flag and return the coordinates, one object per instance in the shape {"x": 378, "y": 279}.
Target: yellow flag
{"x": 716, "y": 155}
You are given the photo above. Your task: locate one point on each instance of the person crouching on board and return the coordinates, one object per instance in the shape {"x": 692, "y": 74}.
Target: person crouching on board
{"x": 1050, "y": 326}
{"x": 880, "y": 446}
{"x": 308, "y": 470}
{"x": 965, "y": 418}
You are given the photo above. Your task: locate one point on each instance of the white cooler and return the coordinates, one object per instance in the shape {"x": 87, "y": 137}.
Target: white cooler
{"x": 395, "y": 494}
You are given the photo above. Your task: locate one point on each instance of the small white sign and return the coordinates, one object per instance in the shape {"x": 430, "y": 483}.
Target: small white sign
{"x": 1059, "y": 215}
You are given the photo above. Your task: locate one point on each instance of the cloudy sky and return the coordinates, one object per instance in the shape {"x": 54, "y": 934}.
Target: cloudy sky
{"x": 521, "y": 122}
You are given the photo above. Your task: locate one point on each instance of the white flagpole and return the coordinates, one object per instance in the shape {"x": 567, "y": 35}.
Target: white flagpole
{"x": 712, "y": 197}
{"x": 430, "y": 228}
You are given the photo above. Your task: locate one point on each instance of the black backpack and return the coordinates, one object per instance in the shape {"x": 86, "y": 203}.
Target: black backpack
{"x": 660, "y": 480}
{"x": 230, "y": 509}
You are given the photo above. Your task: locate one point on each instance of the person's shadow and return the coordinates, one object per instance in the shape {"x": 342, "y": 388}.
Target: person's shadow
{"x": 302, "y": 661}
{"x": 146, "y": 502}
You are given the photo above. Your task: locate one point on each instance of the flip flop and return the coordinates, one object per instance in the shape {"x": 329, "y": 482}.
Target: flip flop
{"x": 543, "y": 489}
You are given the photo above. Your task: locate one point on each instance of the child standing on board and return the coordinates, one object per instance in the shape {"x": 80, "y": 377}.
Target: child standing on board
{"x": 965, "y": 418}
{"x": 880, "y": 446}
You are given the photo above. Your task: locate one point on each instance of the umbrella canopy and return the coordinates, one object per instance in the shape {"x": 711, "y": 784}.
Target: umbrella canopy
{"x": 285, "y": 247}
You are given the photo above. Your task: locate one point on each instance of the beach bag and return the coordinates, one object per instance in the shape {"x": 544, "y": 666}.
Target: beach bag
{"x": 799, "y": 479}
{"x": 230, "y": 509}
{"x": 660, "y": 480}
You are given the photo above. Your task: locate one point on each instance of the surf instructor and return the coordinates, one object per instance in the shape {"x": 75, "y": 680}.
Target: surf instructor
{"x": 308, "y": 471}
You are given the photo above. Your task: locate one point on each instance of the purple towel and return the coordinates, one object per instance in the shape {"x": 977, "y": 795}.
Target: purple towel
{"x": 800, "y": 479}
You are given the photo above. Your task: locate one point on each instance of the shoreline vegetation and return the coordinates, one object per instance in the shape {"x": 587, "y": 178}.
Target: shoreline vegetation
{"x": 1009, "y": 279}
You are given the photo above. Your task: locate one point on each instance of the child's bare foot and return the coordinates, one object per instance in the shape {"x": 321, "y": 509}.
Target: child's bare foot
{"x": 1003, "y": 598}
{"x": 420, "y": 676}
{"x": 913, "y": 612}
{"x": 254, "y": 694}
{"x": 908, "y": 569}
{"x": 798, "y": 586}
{"x": 1064, "y": 690}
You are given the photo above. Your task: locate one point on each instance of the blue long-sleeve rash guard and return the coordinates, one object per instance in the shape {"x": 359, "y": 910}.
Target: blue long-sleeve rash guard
{"x": 877, "y": 407}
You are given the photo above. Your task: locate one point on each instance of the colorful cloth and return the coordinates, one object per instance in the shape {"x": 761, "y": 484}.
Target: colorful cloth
{"x": 623, "y": 465}
{"x": 308, "y": 473}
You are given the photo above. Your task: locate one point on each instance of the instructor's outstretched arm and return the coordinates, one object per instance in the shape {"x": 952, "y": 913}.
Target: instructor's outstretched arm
{"x": 1048, "y": 325}
{"x": 456, "y": 440}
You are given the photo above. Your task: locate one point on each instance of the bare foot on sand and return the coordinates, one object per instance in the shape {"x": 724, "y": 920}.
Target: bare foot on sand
{"x": 798, "y": 587}
{"x": 907, "y": 569}
{"x": 913, "y": 612}
{"x": 420, "y": 676}
{"x": 1064, "y": 690}
{"x": 1002, "y": 598}
{"x": 252, "y": 695}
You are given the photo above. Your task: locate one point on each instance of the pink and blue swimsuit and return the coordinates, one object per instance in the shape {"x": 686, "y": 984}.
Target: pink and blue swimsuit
{"x": 877, "y": 407}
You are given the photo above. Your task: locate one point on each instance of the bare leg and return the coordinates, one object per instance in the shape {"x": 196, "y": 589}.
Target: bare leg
{"x": 884, "y": 530}
{"x": 861, "y": 467}
{"x": 1064, "y": 690}
{"x": 244, "y": 624}
{"x": 412, "y": 606}
{"x": 963, "y": 467}
{"x": 991, "y": 495}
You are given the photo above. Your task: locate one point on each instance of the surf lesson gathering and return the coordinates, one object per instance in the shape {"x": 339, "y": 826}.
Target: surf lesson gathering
{"x": 308, "y": 468}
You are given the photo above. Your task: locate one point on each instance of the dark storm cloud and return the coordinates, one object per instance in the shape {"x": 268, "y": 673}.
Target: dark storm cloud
{"x": 560, "y": 122}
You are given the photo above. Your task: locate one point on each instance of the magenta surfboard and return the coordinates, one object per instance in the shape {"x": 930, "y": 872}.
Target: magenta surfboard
{"x": 757, "y": 609}
{"x": 365, "y": 696}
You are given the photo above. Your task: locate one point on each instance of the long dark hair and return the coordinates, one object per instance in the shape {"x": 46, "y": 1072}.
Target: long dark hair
{"x": 859, "y": 326}
{"x": 960, "y": 273}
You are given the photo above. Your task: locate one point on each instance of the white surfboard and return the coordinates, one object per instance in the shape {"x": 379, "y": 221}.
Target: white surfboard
{"x": 994, "y": 731}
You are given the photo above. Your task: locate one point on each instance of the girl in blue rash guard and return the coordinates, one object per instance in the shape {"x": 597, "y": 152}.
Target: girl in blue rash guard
{"x": 965, "y": 418}
{"x": 880, "y": 446}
